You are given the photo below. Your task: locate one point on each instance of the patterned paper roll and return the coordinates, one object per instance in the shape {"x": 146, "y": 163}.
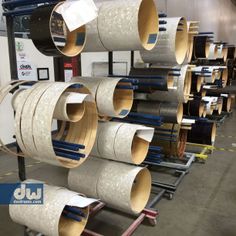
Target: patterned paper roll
{"x": 33, "y": 120}
{"x": 122, "y": 142}
{"x": 12, "y": 87}
{"x": 123, "y": 26}
{"x": 121, "y": 186}
{"x": 50, "y": 218}
{"x": 172, "y": 44}
{"x": 111, "y": 99}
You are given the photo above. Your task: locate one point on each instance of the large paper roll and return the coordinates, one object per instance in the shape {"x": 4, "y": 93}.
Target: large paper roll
{"x": 12, "y": 87}
{"x": 121, "y": 186}
{"x": 202, "y": 133}
{"x": 50, "y": 35}
{"x": 34, "y": 116}
{"x": 193, "y": 28}
{"x": 222, "y": 52}
{"x": 170, "y": 112}
{"x": 172, "y": 138}
{"x": 122, "y": 142}
{"x": 49, "y": 218}
{"x": 112, "y": 101}
{"x": 201, "y": 46}
{"x": 163, "y": 82}
{"x": 194, "y": 108}
{"x": 123, "y": 26}
{"x": 181, "y": 94}
{"x": 172, "y": 44}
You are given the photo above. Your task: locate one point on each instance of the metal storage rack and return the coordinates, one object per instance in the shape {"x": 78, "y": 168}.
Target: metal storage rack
{"x": 13, "y": 8}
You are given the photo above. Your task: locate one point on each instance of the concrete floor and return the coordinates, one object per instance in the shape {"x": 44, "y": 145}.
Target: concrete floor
{"x": 204, "y": 205}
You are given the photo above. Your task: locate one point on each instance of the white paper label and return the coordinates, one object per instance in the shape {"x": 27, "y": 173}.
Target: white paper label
{"x": 77, "y": 13}
{"x": 81, "y": 202}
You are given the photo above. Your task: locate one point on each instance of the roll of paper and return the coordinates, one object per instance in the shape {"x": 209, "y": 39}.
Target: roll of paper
{"x": 121, "y": 186}
{"x": 122, "y": 142}
{"x": 33, "y": 123}
{"x": 181, "y": 94}
{"x": 49, "y": 217}
{"x": 111, "y": 100}
{"x": 123, "y": 26}
{"x": 172, "y": 44}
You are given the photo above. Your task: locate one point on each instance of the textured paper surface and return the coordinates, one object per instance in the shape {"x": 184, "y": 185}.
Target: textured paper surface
{"x": 111, "y": 182}
{"x": 45, "y": 218}
{"x": 164, "y": 51}
{"x": 115, "y": 141}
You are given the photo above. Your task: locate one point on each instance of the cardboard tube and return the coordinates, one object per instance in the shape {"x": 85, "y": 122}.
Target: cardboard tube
{"x": 123, "y": 187}
{"x": 48, "y": 218}
{"x": 181, "y": 94}
{"x": 123, "y": 26}
{"x": 111, "y": 101}
{"x": 48, "y": 30}
{"x": 170, "y": 112}
{"x": 172, "y": 44}
{"x": 122, "y": 142}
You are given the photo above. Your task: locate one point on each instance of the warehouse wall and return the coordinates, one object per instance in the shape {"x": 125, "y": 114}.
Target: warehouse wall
{"x": 214, "y": 15}
{"x": 38, "y": 60}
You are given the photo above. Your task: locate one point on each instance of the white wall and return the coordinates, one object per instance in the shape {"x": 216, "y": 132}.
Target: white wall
{"x": 218, "y": 16}
{"x": 36, "y": 58}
